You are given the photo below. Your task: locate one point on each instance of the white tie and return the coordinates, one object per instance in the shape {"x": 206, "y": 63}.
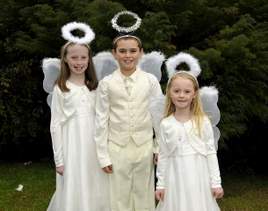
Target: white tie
{"x": 128, "y": 84}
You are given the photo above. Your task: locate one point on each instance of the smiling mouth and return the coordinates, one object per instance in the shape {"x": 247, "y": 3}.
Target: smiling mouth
{"x": 128, "y": 61}
{"x": 79, "y": 68}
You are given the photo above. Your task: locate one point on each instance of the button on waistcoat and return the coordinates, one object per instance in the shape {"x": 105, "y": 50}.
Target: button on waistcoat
{"x": 129, "y": 113}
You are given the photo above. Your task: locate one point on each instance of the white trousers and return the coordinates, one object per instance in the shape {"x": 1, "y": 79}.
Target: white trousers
{"x": 132, "y": 180}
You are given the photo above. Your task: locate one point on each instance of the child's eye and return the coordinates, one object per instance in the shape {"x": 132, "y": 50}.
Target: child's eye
{"x": 122, "y": 51}
{"x": 133, "y": 50}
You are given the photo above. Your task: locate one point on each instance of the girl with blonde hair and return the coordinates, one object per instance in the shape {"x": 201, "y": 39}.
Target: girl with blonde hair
{"x": 188, "y": 172}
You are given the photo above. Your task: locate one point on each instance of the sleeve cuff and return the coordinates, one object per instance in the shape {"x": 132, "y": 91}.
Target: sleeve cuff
{"x": 104, "y": 163}
{"x": 216, "y": 186}
{"x": 59, "y": 163}
{"x": 160, "y": 187}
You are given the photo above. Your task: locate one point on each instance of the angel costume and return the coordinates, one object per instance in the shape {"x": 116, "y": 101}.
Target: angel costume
{"x": 124, "y": 138}
{"x": 187, "y": 166}
{"x": 83, "y": 186}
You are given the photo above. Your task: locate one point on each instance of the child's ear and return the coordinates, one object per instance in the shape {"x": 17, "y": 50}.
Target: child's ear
{"x": 64, "y": 59}
{"x": 195, "y": 95}
{"x": 113, "y": 52}
{"x": 141, "y": 52}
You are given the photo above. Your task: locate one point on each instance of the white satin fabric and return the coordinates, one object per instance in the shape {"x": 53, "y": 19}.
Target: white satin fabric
{"x": 83, "y": 186}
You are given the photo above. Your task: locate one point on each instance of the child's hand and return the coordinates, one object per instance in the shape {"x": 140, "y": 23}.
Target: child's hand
{"x": 108, "y": 169}
{"x": 160, "y": 194}
{"x": 155, "y": 158}
{"x": 217, "y": 193}
{"x": 60, "y": 170}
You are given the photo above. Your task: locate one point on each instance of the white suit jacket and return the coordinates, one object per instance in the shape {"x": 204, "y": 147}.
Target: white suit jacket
{"x": 121, "y": 117}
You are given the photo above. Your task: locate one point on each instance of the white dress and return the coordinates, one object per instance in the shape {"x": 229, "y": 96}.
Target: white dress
{"x": 187, "y": 168}
{"x": 83, "y": 186}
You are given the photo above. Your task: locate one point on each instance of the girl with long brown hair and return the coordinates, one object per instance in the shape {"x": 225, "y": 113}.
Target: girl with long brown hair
{"x": 80, "y": 182}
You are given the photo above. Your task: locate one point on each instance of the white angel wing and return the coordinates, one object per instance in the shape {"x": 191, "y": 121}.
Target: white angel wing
{"x": 156, "y": 108}
{"x": 152, "y": 62}
{"x": 105, "y": 64}
{"x": 209, "y": 97}
{"x": 49, "y": 99}
{"x": 51, "y": 70}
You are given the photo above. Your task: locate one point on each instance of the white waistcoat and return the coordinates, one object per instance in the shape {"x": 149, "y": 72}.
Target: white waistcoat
{"x": 129, "y": 115}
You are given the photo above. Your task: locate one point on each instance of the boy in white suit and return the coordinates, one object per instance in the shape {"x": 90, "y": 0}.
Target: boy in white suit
{"x": 124, "y": 131}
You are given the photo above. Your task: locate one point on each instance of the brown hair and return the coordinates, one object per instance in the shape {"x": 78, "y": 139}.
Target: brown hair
{"x": 126, "y": 37}
{"x": 90, "y": 74}
{"x": 196, "y": 105}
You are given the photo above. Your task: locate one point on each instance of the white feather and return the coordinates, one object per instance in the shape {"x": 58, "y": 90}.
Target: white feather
{"x": 174, "y": 61}
{"x": 69, "y": 27}
{"x": 19, "y": 188}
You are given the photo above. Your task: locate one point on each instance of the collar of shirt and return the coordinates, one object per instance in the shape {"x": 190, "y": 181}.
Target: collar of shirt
{"x": 132, "y": 77}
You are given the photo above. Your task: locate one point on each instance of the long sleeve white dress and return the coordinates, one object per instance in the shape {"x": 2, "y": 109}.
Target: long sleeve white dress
{"x": 83, "y": 186}
{"x": 187, "y": 167}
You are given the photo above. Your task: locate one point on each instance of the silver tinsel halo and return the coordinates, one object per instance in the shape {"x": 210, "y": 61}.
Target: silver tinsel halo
{"x": 132, "y": 28}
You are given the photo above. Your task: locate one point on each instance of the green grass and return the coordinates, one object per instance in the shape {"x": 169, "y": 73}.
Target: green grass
{"x": 38, "y": 180}
{"x": 242, "y": 192}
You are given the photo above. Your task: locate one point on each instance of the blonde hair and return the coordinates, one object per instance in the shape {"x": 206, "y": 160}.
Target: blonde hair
{"x": 90, "y": 75}
{"x": 196, "y": 105}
